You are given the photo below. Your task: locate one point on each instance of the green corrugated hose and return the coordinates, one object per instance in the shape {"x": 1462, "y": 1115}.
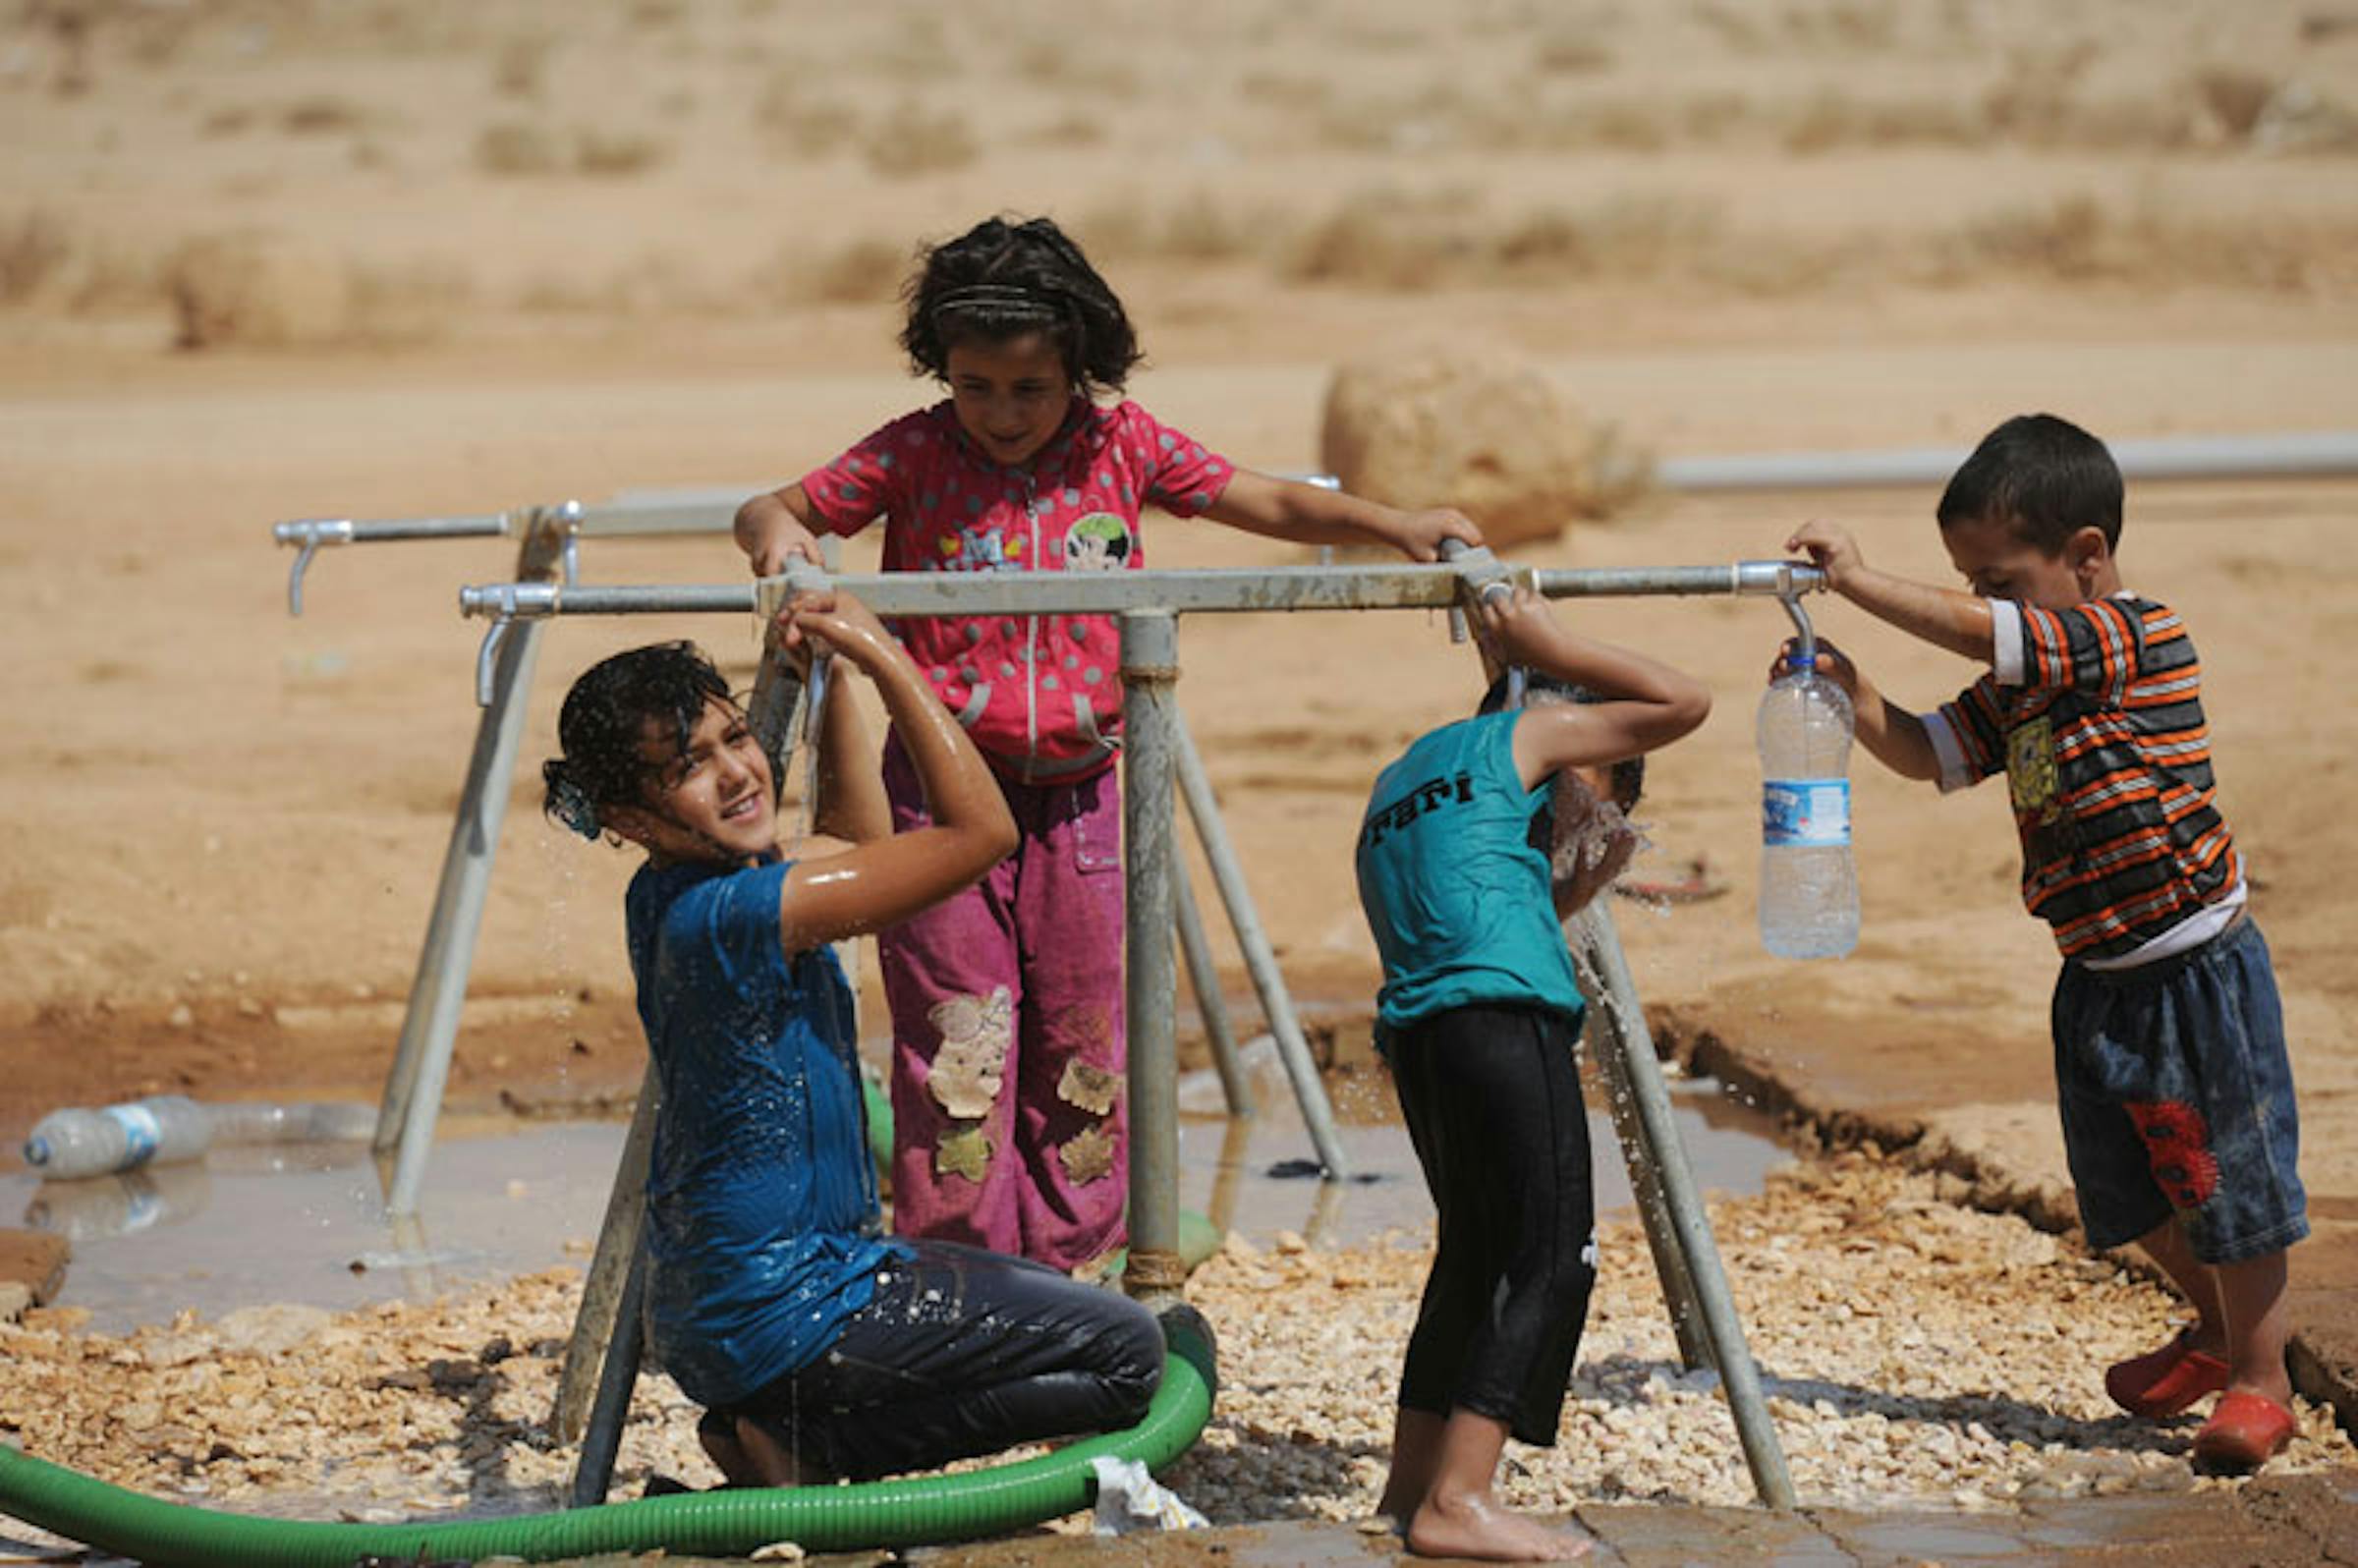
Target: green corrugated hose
{"x": 729, "y": 1524}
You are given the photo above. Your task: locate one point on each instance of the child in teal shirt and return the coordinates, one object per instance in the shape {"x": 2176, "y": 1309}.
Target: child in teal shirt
{"x": 1477, "y": 843}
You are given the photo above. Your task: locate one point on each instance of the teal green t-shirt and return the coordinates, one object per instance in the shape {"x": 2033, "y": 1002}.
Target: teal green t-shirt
{"x": 1457, "y": 896}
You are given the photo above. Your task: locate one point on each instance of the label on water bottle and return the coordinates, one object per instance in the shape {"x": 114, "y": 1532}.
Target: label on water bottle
{"x": 1805, "y": 813}
{"x": 140, "y": 1134}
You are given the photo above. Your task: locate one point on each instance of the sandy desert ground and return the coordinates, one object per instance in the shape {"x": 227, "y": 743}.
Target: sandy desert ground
{"x": 290, "y": 258}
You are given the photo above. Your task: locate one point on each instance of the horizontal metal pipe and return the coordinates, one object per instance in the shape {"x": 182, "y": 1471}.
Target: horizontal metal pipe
{"x": 479, "y": 525}
{"x": 2185, "y": 456}
{"x": 1283, "y": 588}
{"x": 704, "y": 510}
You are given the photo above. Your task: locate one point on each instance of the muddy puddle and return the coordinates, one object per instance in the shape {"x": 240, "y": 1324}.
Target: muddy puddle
{"x": 306, "y": 1223}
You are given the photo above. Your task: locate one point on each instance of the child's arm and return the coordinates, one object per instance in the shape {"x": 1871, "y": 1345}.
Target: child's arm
{"x": 1892, "y": 736}
{"x": 1943, "y": 616}
{"x": 1647, "y": 703}
{"x": 775, "y": 525}
{"x": 1306, "y": 513}
{"x": 886, "y": 879}
{"x": 852, "y": 805}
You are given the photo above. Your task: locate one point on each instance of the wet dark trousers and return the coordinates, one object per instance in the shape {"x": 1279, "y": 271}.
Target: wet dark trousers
{"x": 1492, "y": 1098}
{"x": 963, "y": 1352}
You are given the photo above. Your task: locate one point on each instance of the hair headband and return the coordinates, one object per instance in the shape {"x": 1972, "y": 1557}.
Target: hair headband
{"x": 1009, "y": 298}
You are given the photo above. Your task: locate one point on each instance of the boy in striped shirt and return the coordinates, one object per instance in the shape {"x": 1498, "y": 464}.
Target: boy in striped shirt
{"x": 2170, "y": 1067}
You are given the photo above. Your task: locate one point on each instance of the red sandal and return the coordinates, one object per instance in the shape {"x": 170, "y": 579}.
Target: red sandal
{"x": 2244, "y": 1432}
{"x": 2165, "y": 1382}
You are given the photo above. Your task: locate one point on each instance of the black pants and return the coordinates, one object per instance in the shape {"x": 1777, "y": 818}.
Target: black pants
{"x": 1492, "y": 1098}
{"x": 963, "y": 1352}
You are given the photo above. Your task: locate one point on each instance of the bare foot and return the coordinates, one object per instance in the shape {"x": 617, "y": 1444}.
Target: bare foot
{"x": 1476, "y": 1525}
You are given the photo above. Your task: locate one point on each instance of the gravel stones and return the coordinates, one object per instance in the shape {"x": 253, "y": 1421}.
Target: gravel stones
{"x": 1914, "y": 1354}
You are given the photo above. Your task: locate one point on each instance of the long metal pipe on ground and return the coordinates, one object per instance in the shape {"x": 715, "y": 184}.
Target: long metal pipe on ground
{"x": 2292, "y": 454}
{"x": 2299, "y": 455}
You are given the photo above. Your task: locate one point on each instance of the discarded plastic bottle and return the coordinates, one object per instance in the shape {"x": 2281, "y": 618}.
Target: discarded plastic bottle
{"x": 1809, "y": 889}
{"x": 73, "y": 1143}
{"x": 321, "y": 1121}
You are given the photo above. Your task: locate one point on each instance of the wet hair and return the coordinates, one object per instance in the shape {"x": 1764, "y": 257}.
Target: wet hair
{"x": 604, "y": 722}
{"x": 1626, "y": 777}
{"x": 1005, "y": 277}
{"x": 2045, "y": 478}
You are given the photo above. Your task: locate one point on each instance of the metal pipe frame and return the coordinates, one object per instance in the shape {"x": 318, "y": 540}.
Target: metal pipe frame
{"x": 1218, "y": 589}
{"x": 1149, "y": 725}
{"x": 1707, "y": 1280}
{"x": 1261, "y": 960}
{"x": 1204, "y": 978}
{"x": 1159, "y": 750}
{"x": 605, "y": 1289}
{"x": 412, "y": 1096}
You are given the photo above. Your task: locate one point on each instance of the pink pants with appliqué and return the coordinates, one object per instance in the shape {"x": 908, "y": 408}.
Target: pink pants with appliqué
{"x": 1010, "y": 1127}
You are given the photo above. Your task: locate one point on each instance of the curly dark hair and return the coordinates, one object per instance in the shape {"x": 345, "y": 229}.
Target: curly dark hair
{"x": 604, "y": 720}
{"x": 1008, "y": 276}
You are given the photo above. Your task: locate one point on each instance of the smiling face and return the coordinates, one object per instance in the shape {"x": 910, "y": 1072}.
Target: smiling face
{"x": 711, "y": 801}
{"x": 1010, "y": 394}
{"x": 1998, "y": 563}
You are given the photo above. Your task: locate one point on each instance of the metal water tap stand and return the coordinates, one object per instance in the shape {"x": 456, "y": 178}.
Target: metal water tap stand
{"x": 1148, "y": 603}
{"x": 412, "y": 1097}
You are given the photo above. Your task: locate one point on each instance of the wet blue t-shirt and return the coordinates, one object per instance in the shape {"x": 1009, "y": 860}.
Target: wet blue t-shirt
{"x": 1458, "y": 898}
{"x": 761, "y": 1200}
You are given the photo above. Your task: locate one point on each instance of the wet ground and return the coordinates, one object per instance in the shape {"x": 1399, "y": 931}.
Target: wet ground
{"x": 2299, "y": 1520}
{"x": 305, "y": 1223}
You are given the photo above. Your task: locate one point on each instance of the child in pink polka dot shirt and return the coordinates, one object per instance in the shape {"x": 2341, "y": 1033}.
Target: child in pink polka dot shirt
{"x": 1009, "y": 1130}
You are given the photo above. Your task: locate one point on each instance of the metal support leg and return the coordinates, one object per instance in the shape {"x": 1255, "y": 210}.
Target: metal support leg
{"x": 1601, "y": 947}
{"x": 593, "y": 1321}
{"x": 413, "y": 1099}
{"x": 1260, "y": 960}
{"x": 1211, "y": 1004}
{"x": 1610, "y": 1053}
{"x": 1150, "y": 668}
{"x": 1236, "y": 1142}
{"x": 593, "y": 1472}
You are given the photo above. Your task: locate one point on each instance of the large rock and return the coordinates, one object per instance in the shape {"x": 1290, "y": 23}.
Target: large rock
{"x": 259, "y": 291}
{"x": 1482, "y": 431}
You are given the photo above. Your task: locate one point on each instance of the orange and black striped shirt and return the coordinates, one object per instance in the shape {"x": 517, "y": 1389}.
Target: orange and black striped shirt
{"x": 2094, "y": 715}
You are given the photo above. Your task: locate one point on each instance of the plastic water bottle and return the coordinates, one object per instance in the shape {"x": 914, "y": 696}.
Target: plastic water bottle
{"x": 1809, "y": 890}
{"x": 73, "y": 1143}
{"x": 315, "y": 1121}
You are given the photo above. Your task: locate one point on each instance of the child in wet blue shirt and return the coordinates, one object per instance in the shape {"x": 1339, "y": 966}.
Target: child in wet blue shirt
{"x": 822, "y": 1348}
{"x": 1477, "y": 844}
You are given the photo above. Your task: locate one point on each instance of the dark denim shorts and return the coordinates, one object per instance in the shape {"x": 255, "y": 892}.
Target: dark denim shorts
{"x": 2176, "y": 1096}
